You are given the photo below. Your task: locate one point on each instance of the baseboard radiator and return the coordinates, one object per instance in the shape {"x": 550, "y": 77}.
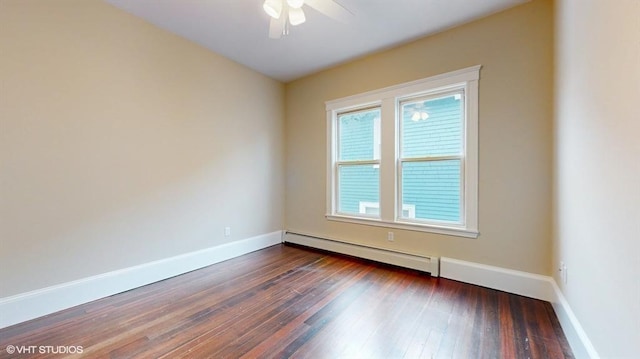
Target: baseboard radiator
{"x": 427, "y": 264}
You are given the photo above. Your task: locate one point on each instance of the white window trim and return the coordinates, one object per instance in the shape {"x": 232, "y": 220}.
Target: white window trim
{"x": 467, "y": 79}
{"x": 376, "y": 139}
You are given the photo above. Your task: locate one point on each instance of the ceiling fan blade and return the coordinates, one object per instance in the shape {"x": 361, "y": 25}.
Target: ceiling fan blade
{"x": 276, "y": 27}
{"x": 331, "y": 9}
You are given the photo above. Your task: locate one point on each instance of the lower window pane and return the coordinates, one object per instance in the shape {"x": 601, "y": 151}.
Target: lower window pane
{"x": 359, "y": 190}
{"x": 431, "y": 190}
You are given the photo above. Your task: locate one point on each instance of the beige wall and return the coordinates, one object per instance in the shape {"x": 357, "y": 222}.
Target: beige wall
{"x": 597, "y": 169}
{"x": 515, "y": 48}
{"x": 122, "y": 144}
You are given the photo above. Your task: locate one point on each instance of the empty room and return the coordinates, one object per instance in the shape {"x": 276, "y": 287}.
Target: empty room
{"x": 319, "y": 179}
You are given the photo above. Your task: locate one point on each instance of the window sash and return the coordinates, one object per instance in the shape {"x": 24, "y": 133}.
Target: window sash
{"x": 400, "y": 205}
{"x": 338, "y": 193}
{"x": 403, "y": 158}
{"x": 459, "y": 90}
{"x": 388, "y": 100}
{"x": 338, "y": 163}
{"x": 376, "y": 134}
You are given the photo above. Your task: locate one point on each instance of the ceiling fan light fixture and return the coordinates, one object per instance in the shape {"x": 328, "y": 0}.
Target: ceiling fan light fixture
{"x": 296, "y": 4}
{"x": 273, "y": 8}
{"x": 418, "y": 116}
{"x": 296, "y": 16}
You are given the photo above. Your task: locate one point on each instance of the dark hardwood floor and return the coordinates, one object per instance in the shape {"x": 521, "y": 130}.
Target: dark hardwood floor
{"x": 289, "y": 301}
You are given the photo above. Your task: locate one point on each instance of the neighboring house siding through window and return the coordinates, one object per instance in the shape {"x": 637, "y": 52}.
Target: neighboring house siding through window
{"x": 413, "y": 145}
{"x": 433, "y": 187}
{"x": 358, "y": 183}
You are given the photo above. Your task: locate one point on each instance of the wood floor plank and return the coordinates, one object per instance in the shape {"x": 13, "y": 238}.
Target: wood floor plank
{"x": 280, "y": 341}
{"x": 291, "y": 301}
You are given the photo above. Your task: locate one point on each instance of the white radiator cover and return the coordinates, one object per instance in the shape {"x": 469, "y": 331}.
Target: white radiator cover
{"x": 427, "y": 264}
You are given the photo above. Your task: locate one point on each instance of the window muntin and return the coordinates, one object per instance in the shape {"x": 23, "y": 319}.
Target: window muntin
{"x": 404, "y": 166}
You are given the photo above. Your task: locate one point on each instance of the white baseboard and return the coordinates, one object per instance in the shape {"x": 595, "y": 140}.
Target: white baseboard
{"x": 507, "y": 280}
{"x": 576, "y": 336}
{"x": 37, "y": 303}
{"x": 421, "y": 263}
{"x": 525, "y": 284}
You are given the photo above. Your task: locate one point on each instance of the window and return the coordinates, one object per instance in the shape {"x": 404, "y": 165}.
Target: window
{"x": 358, "y": 160}
{"x": 406, "y": 156}
{"x": 431, "y": 158}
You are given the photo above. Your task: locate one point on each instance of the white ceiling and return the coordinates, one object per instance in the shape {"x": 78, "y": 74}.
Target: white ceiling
{"x": 238, "y": 29}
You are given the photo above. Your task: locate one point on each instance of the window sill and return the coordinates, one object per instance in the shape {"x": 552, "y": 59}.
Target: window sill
{"x": 452, "y": 231}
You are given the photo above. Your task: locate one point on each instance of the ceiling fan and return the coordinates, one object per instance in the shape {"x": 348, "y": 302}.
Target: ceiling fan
{"x": 286, "y": 13}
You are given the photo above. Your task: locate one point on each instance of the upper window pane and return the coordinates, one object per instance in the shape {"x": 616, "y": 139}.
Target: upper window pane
{"x": 359, "y": 135}
{"x": 432, "y": 127}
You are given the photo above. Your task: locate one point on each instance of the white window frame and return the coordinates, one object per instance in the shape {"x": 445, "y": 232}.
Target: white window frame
{"x": 389, "y": 99}
{"x": 337, "y": 163}
{"x": 400, "y": 160}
